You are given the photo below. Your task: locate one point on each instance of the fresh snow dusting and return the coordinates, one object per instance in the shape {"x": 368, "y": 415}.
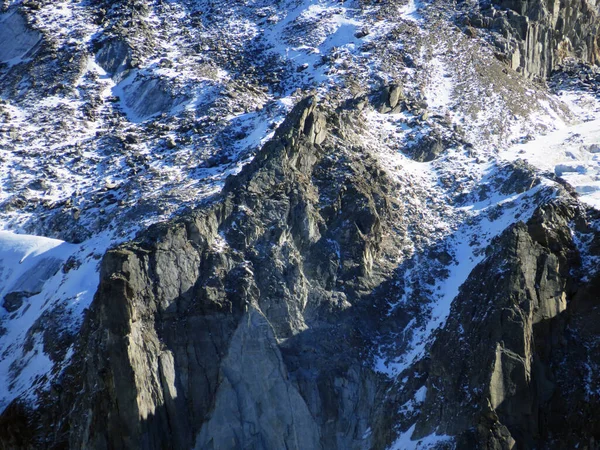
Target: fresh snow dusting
{"x": 16, "y": 40}
{"x": 414, "y": 403}
{"x": 310, "y": 32}
{"x": 556, "y": 144}
{"x": 411, "y": 11}
{"x": 571, "y": 152}
{"x": 27, "y": 265}
{"x": 56, "y": 282}
{"x": 405, "y": 441}
{"x": 120, "y": 151}
{"x": 88, "y": 166}
{"x": 561, "y": 147}
{"x": 439, "y": 92}
{"x": 466, "y": 244}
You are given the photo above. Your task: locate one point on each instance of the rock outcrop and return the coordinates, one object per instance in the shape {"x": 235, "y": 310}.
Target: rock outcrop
{"x": 503, "y": 373}
{"x": 241, "y": 325}
{"x": 536, "y": 37}
{"x": 250, "y": 322}
{"x": 372, "y": 274}
{"x": 16, "y": 40}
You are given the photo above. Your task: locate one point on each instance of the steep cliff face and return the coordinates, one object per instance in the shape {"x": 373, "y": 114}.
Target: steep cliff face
{"x": 536, "y": 37}
{"x": 502, "y": 373}
{"x": 250, "y": 323}
{"x": 240, "y": 326}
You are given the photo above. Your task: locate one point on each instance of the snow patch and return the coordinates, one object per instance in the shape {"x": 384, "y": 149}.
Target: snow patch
{"x": 411, "y": 11}
{"x": 16, "y": 39}
{"x": 466, "y": 245}
{"x": 439, "y": 91}
{"x": 142, "y": 97}
{"x": 27, "y": 266}
{"x": 405, "y": 441}
{"x": 570, "y": 152}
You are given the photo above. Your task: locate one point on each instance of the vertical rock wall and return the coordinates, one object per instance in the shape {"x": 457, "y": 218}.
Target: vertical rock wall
{"x": 535, "y": 37}
{"x": 500, "y": 373}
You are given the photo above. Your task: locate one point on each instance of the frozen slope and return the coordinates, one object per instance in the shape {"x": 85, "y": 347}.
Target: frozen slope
{"x": 30, "y": 270}
{"x": 572, "y": 152}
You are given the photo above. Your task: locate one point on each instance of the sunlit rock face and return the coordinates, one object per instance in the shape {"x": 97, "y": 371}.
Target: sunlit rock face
{"x": 536, "y": 37}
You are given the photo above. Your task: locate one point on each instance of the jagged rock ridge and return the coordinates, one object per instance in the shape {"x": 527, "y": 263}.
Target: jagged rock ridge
{"x": 513, "y": 339}
{"x": 249, "y": 284}
{"x": 270, "y": 288}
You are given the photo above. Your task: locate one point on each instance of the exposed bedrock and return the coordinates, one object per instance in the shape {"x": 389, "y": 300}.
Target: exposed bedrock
{"x": 535, "y": 37}
{"x": 251, "y": 322}
{"x": 508, "y": 369}
{"x": 243, "y": 324}
{"x": 17, "y": 41}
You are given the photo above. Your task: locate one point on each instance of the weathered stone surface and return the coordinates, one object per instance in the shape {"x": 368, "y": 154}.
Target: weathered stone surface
{"x": 114, "y": 56}
{"x": 16, "y": 39}
{"x": 30, "y": 282}
{"x": 535, "y": 37}
{"x": 246, "y": 323}
{"x": 255, "y": 389}
{"x": 251, "y": 322}
{"x": 13, "y": 301}
{"x": 427, "y": 148}
{"x": 145, "y": 97}
{"x": 388, "y": 99}
{"x": 499, "y": 363}
{"x": 201, "y": 331}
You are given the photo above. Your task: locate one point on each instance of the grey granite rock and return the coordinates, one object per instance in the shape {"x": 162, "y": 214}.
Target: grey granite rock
{"x": 240, "y": 325}
{"x": 536, "y": 37}
{"x": 497, "y": 370}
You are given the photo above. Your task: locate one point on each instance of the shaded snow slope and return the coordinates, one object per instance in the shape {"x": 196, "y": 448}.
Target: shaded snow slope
{"x": 46, "y": 285}
{"x": 16, "y": 40}
{"x": 28, "y": 265}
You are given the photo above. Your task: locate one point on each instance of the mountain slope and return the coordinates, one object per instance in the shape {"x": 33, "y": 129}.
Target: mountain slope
{"x": 357, "y": 238}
